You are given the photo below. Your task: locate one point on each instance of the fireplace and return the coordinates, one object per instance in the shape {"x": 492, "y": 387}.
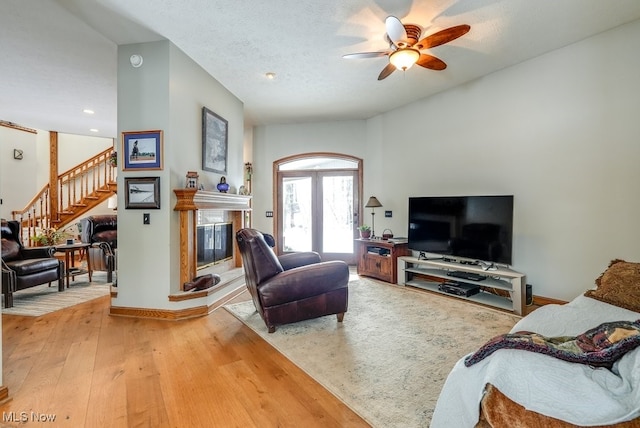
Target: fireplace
{"x": 208, "y": 223}
{"x": 214, "y": 243}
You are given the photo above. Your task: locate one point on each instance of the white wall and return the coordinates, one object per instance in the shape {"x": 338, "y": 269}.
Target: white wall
{"x": 278, "y": 141}
{"x": 17, "y": 188}
{"x": 20, "y": 180}
{"x": 559, "y": 132}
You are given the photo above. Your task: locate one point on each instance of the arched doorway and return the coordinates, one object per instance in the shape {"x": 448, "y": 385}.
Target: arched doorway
{"x": 318, "y": 204}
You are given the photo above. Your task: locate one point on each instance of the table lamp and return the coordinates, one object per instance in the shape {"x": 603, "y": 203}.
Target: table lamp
{"x": 373, "y": 203}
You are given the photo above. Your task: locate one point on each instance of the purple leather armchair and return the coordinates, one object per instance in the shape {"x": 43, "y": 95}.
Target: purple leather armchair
{"x": 292, "y": 287}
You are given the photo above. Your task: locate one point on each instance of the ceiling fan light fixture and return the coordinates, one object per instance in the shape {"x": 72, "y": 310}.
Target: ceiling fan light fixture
{"x": 403, "y": 59}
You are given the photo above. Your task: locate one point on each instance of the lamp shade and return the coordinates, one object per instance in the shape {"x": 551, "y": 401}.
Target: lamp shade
{"x": 112, "y": 202}
{"x": 373, "y": 202}
{"x": 403, "y": 59}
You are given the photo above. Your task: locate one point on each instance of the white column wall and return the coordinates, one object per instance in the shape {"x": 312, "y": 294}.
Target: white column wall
{"x": 167, "y": 93}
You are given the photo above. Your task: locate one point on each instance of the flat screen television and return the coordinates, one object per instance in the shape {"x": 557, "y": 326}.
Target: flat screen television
{"x": 464, "y": 227}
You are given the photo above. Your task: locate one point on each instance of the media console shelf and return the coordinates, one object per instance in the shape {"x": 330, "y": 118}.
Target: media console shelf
{"x": 503, "y": 288}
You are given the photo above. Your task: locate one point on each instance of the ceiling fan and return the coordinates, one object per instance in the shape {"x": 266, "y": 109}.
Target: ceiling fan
{"x": 405, "y": 46}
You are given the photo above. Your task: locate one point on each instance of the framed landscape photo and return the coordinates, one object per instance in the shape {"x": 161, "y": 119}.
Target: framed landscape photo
{"x": 142, "y": 192}
{"x": 142, "y": 150}
{"x": 214, "y": 142}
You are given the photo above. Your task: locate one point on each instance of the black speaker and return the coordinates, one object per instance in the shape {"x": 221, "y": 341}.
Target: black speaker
{"x": 529, "y": 297}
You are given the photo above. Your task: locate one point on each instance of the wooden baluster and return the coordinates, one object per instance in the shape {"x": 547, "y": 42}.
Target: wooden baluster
{"x": 83, "y": 188}
{"x": 77, "y": 180}
{"x": 46, "y": 212}
{"x": 61, "y": 194}
{"x": 93, "y": 177}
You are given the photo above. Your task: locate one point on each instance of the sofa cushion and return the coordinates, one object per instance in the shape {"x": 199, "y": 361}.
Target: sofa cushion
{"x": 92, "y": 225}
{"x": 10, "y": 249}
{"x": 619, "y": 285}
{"x": 304, "y": 282}
{"x": 31, "y": 266}
{"x": 109, "y": 236}
{"x": 102, "y": 227}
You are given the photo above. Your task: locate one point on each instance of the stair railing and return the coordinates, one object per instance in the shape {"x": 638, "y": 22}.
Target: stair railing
{"x": 77, "y": 188}
{"x": 35, "y": 216}
{"x": 82, "y": 181}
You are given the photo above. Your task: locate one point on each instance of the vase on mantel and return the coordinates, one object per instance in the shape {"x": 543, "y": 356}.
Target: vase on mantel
{"x": 223, "y": 186}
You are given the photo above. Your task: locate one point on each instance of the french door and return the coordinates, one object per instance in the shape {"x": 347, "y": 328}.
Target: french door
{"x": 317, "y": 210}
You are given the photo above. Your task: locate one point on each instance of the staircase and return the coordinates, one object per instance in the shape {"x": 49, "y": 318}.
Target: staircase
{"x": 77, "y": 191}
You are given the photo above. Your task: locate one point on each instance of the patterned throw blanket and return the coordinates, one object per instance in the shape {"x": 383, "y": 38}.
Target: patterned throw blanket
{"x": 600, "y": 346}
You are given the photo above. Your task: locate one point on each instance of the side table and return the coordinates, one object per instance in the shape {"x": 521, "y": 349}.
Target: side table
{"x": 69, "y": 259}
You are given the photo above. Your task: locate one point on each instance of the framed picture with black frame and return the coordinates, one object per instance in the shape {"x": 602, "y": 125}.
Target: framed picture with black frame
{"x": 142, "y": 150}
{"x": 214, "y": 142}
{"x": 142, "y": 192}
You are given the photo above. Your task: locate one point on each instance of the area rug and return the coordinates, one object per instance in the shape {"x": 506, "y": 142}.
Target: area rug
{"x": 390, "y": 357}
{"x": 42, "y": 299}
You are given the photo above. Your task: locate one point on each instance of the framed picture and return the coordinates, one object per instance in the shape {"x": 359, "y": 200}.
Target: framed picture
{"x": 142, "y": 150}
{"x": 214, "y": 142}
{"x": 142, "y": 192}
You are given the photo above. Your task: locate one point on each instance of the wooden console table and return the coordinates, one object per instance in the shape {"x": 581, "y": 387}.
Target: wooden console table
{"x": 379, "y": 258}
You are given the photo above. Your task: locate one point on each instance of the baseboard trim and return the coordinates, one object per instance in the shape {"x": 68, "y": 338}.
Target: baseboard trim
{"x": 179, "y": 314}
{"x": 541, "y": 301}
{"x": 161, "y": 314}
{"x": 4, "y": 394}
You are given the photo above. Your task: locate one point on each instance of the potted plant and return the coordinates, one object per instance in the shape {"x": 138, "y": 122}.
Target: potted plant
{"x": 48, "y": 237}
{"x": 365, "y": 231}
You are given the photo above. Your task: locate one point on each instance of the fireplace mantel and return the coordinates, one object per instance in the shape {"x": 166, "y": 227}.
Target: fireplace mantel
{"x": 191, "y": 199}
{"x": 189, "y": 202}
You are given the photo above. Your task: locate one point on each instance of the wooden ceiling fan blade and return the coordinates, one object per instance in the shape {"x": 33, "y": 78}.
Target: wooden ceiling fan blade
{"x": 431, "y": 62}
{"x": 442, "y": 37}
{"x": 361, "y": 55}
{"x": 396, "y": 31}
{"x": 390, "y": 68}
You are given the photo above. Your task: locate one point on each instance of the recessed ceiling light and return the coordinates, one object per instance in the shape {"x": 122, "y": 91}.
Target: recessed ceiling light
{"x": 93, "y": 130}
{"x": 88, "y": 111}
{"x": 270, "y": 75}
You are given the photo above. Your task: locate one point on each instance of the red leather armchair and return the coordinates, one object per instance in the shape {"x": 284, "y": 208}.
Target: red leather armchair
{"x": 26, "y": 267}
{"x": 292, "y": 287}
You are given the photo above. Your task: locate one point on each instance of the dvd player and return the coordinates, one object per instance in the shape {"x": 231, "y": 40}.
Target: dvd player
{"x": 467, "y": 275}
{"x": 459, "y": 289}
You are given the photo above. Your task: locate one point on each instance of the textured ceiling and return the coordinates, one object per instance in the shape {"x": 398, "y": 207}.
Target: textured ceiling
{"x": 59, "y": 56}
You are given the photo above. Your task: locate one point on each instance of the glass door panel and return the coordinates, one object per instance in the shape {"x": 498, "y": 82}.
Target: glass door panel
{"x": 297, "y": 213}
{"x": 337, "y": 213}
{"x": 317, "y": 206}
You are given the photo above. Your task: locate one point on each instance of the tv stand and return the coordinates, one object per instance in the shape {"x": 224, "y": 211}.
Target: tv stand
{"x": 423, "y": 256}
{"x": 503, "y": 288}
{"x": 378, "y": 258}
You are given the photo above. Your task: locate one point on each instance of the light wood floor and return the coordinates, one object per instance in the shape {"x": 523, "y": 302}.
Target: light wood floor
{"x": 90, "y": 369}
